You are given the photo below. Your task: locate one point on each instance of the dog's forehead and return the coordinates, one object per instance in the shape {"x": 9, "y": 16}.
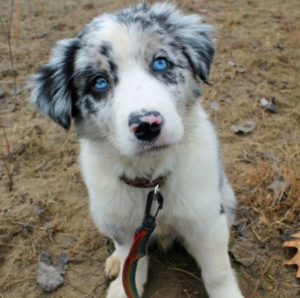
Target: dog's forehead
{"x": 141, "y": 15}
{"x": 106, "y": 35}
{"x": 126, "y": 34}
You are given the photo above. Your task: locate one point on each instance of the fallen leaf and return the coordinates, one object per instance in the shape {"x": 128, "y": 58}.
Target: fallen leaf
{"x": 49, "y": 277}
{"x": 295, "y": 261}
{"x": 243, "y": 128}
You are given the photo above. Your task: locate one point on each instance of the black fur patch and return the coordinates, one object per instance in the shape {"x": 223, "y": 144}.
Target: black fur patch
{"x": 45, "y": 82}
{"x": 170, "y": 78}
{"x": 204, "y": 53}
{"x": 53, "y": 90}
{"x": 90, "y": 106}
{"x": 113, "y": 70}
{"x": 105, "y": 49}
{"x": 68, "y": 69}
{"x": 181, "y": 78}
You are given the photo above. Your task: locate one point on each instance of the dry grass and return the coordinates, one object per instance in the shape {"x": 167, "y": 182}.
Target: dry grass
{"x": 43, "y": 202}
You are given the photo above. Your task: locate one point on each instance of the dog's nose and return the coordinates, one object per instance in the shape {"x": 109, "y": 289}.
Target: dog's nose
{"x": 146, "y": 126}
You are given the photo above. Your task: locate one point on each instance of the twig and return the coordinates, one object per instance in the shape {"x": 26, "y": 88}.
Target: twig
{"x": 4, "y": 157}
{"x": 187, "y": 273}
{"x": 7, "y": 28}
{"x": 7, "y": 244}
{"x": 15, "y": 282}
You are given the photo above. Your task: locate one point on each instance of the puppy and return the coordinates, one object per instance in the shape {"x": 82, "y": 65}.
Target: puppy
{"x": 130, "y": 82}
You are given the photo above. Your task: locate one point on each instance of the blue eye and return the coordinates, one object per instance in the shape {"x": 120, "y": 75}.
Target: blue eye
{"x": 101, "y": 85}
{"x": 160, "y": 64}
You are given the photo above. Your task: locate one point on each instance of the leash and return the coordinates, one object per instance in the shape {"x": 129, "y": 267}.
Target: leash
{"x": 140, "y": 242}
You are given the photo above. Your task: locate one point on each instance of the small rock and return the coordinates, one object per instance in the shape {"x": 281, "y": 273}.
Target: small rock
{"x": 244, "y": 128}
{"x": 269, "y": 105}
{"x": 263, "y": 102}
{"x": 49, "y": 277}
{"x": 242, "y": 253}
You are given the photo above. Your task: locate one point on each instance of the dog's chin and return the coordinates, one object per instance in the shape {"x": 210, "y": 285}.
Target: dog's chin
{"x": 144, "y": 149}
{"x": 153, "y": 149}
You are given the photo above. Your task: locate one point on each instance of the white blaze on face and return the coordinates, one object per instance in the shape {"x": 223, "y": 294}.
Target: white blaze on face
{"x": 139, "y": 92}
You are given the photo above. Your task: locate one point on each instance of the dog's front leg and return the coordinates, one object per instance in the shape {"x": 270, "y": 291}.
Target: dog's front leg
{"x": 207, "y": 242}
{"x": 120, "y": 254}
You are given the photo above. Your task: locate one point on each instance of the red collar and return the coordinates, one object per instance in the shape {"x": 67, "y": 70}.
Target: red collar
{"x": 143, "y": 182}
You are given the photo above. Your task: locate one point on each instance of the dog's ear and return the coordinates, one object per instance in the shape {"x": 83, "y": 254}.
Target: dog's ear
{"x": 196, "y": 41}
{"x": 52, "y": 89}
{"x": 191, "y": 35}
{"x": 197, "y": 45}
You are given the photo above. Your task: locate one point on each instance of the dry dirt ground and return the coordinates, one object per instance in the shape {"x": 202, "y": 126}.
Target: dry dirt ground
{"x": 43, "y": 202}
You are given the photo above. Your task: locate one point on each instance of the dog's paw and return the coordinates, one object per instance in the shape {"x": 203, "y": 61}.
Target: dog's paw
{"x": 112, "y": 267}
{"x": 116, "y": 290}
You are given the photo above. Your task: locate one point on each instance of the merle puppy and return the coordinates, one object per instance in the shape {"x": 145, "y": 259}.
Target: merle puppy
{"x": 130, "y": 82}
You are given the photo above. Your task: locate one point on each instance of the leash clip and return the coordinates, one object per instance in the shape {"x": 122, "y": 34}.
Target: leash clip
{"x": 154, "y": 195}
